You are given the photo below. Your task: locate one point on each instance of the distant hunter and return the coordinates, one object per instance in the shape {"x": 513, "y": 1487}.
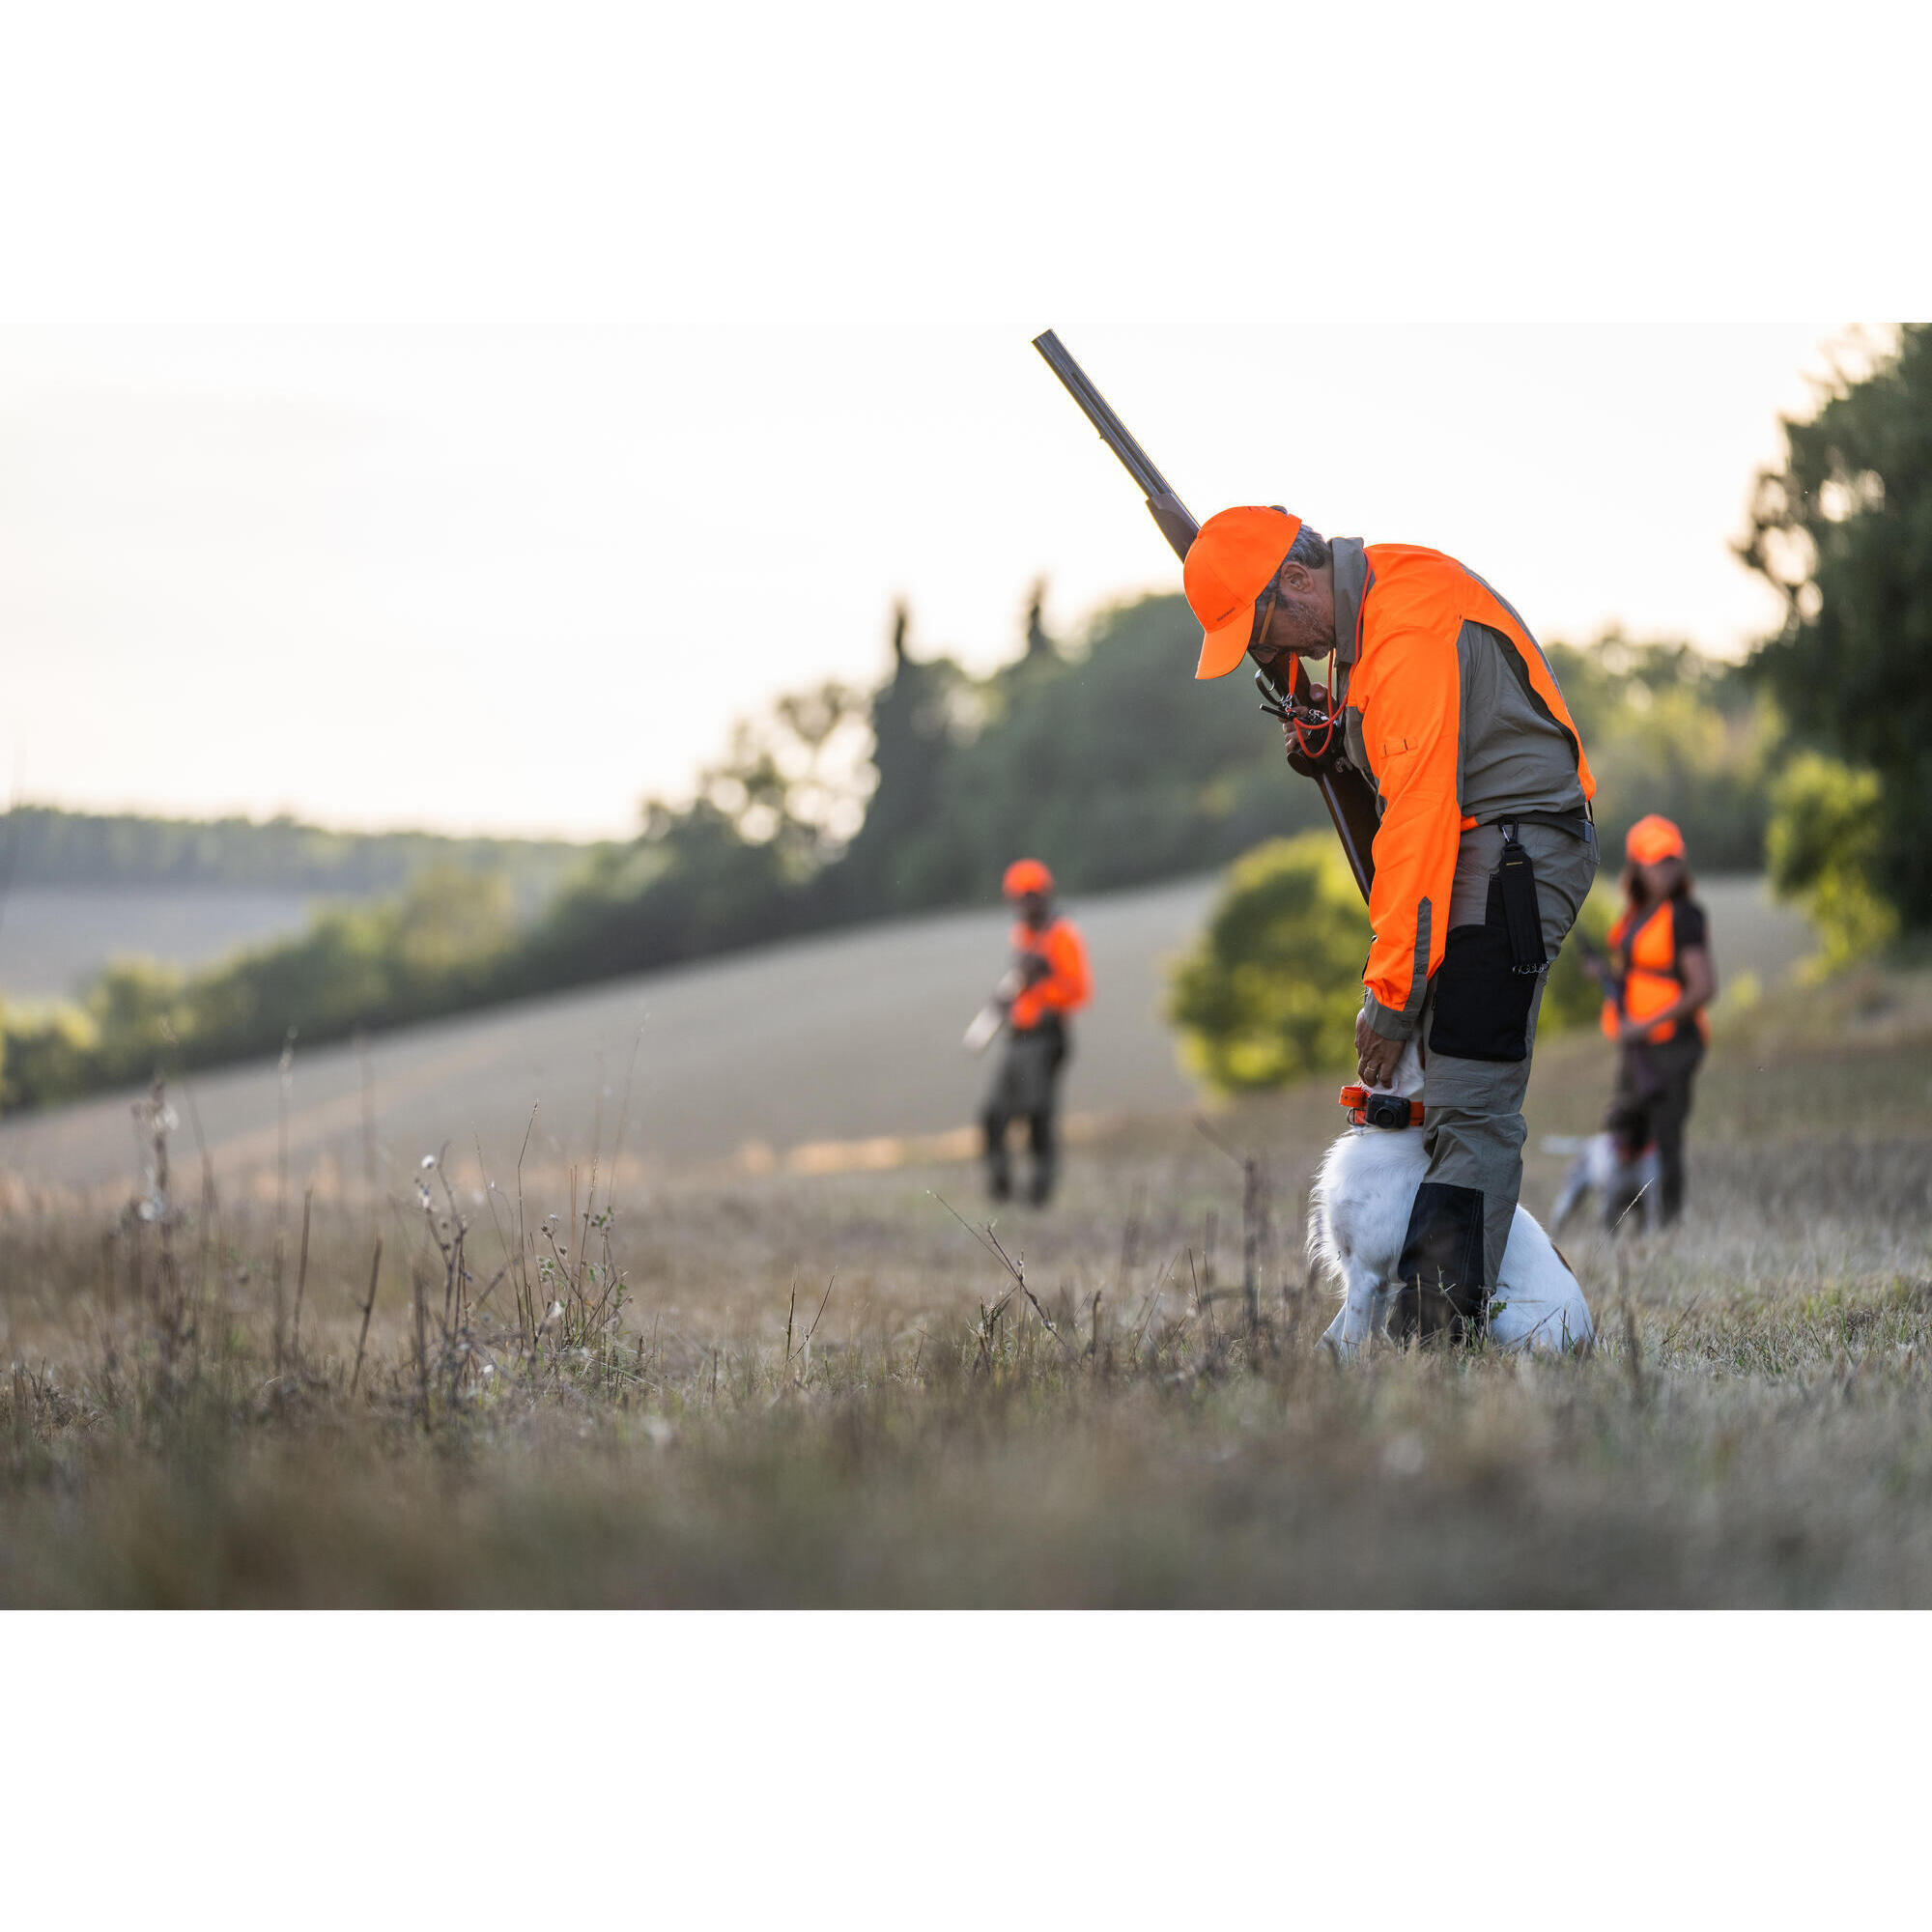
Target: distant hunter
{"x": 1051, "y": 983}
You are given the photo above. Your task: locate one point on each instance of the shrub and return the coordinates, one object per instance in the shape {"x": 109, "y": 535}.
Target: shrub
{"x": 1824, "y": 848}
{"x": 1271, "y": 989}
{"x": 48, "y": 1057}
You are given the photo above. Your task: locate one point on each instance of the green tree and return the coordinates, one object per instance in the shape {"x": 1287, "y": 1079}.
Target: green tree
{"x": 905, "y": 856}
{"x": 1271, "y": 989}
{"x": 1672, "y": 730}
{"x": 1826, "y": 831}
{"x": 1114, "y": 766}
{"x": 50, "y": 1056}
{"x": 1843, "y": 530}
{"x": 448, "y": 922}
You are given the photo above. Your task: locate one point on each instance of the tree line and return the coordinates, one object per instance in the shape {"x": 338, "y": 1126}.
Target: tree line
{"x": 44, "y": 845}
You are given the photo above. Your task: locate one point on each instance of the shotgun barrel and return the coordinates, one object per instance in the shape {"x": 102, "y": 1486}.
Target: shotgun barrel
{"x": 1350, "y": 803}
{"x": 1351, "y": 806}
{"x": 1177, "y": 524}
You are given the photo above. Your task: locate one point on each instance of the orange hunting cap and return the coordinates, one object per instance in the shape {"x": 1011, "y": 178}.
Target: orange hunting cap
{"x": 1652, "y": 840}
{"x": 1227, "y": 567}
{"x": 1027, "y": 875}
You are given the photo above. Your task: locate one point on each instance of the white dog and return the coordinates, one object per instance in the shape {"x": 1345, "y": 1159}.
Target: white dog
{"x": 1358, "y": 1213}
{"x": 1600, "y": 1167}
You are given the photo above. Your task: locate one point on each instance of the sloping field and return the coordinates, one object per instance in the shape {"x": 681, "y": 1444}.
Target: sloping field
{"x": 54, "y": 938}
{"x": 839, "y": 1038}
{"x": 835, "y": 1053}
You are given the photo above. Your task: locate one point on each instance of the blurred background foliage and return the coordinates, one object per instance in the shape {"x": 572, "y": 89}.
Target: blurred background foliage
{"x": 1825, "y": 850}
{"x": 1843, "y": 531}
{"x": 1270, "y": 990}
{"x": 437, "y": 946}
{"x": 1672, "y": 730}
{"x": 1098, "y": 754}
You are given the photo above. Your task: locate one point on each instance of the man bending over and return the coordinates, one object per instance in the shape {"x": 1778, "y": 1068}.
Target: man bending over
{"x": 1483, "y": 854}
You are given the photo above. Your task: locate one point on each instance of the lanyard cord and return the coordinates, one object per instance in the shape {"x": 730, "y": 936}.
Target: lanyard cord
{"x": 1325, "y": 722}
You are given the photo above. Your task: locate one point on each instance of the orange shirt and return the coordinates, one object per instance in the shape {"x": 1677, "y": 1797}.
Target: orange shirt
{"x": 1068, "y": 985}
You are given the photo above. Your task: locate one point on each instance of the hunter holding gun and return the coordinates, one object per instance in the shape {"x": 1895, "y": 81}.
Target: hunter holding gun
{"x": 1048, "y": 981}
{"x": 1483, "y": 850}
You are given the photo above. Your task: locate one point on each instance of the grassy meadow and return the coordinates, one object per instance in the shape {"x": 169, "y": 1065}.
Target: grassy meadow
{"x": 831, "y": 1390}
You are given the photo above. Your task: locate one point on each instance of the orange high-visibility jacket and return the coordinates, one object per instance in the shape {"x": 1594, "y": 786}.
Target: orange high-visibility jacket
{"x": 1653, "y": 976}
{"x": 1452, "y": 711}
{"x": 1066, "y": 987}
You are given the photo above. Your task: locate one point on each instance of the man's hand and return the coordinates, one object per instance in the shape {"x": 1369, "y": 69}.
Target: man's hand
{"x": 1298, "y": 760}
{"x": 1629, "y": 1032}
{"x": 1375, "y": 1058}
{"x": 1034, "y": 968}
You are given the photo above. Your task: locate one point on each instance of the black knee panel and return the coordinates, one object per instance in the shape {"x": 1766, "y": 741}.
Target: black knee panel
{"x": 1426, "y": 1315}
{"x": 1442, "y": 1265}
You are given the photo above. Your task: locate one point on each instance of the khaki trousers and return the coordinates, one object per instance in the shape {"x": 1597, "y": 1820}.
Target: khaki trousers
{"x": 1474, "y": 1018}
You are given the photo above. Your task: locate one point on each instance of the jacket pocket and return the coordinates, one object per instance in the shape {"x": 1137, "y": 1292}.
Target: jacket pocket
{"x": 1482, "y": 1005}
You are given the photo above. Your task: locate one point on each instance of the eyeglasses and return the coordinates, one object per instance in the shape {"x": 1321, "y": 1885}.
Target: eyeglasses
{"x": 1264, "y": 616}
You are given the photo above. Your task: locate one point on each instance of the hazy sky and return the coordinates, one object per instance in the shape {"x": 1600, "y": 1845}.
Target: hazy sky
{"x": 458, "y": 417}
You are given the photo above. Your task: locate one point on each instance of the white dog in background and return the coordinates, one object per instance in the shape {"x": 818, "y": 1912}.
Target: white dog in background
{"x": 1358, "y": 1214}
{"x": 1600, "y": 1167}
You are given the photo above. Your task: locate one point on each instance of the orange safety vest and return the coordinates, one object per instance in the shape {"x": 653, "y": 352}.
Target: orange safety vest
{"x": 1651, "y": 977}
{"x": 1404, "y": 692}
{"x": 1068, "y": 985}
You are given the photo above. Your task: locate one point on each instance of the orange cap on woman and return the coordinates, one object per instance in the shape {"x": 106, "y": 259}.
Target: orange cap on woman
{"x": 1652, "y": 840}
{"x": 1027, "y": 875}
{"x": 1231, "y": 561}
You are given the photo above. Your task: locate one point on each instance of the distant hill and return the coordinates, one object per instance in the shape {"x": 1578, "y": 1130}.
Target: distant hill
{"x": 42, "y": 845}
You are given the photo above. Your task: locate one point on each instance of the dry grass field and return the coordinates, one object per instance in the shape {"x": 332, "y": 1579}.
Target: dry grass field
{"x": 794, "y": 1389}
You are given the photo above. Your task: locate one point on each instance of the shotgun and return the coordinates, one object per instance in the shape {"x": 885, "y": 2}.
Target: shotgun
{"x": 992, "y": 1016}
{"x": 1348, "y": 795}
{"x": 1603, "y": 963}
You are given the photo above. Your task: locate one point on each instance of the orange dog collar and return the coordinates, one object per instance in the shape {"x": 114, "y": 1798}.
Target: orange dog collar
{"x": 1357, "y": 1102}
